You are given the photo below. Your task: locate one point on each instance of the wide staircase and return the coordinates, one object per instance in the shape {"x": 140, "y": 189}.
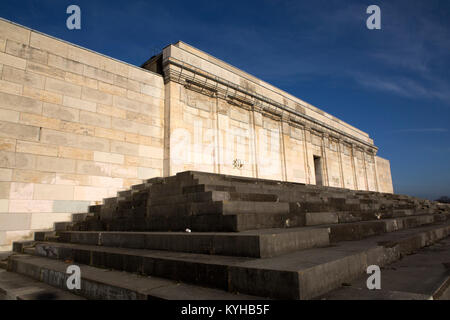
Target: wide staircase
{"x": 209, "y": 236}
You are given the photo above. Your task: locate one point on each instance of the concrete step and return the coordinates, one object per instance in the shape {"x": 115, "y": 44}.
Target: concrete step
{"x": 218, "y": 223}
{"x": 14, "y": 286}
{"x": 77, "y": 217}
{"x": 4, "y": 255}
{"x": 141, "y": 187}
{"x": 101, "y": 284}
{"x": 18, "y": 246}
{"x": 320, "y": 218}
{"x": 422, "y": 276}
{"x": 284, "y": 194}
{"x": 364, "y": 229}
{"x": 298, "y": 275}
{"x": 221, "y": 179}
{"x": 242, "y": 182}
{"x": 258, "y": 244}
{"x": 335, "y": 216}
{"x": 198, "y": 223}
{"x": 219, "y": 208}
{"x": 254, "y": 243}
{"x": 61, "y": 226}
{"x": 179, "y": 202}
{"x": 94, "y": 208}
{"x": 209, "y": 196}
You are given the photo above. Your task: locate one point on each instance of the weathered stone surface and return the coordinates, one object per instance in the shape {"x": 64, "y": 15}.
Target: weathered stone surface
{"x": 65, "y": 64}
{"x": 7, "y": 145}
{"x": 12, "y": 61}
{"x": 60, "y": 112}
{"x": 52, "y": 192}
{"x": 23, "y": 77}
{"x": 75, "y": 153}
{"x": 54, "y": 164}
{"x": 71, "y": 117}
{"x": 18, "y": 131}
{"x": 108, "y": 157}
{"x": 96, "y": 96}
{"x": 62, "y": 87}
{"x": 32, "y": 176}
{"x": 45, "y": 70}
{"x": 79, "y": 104}
{"x": 18, "y": 103}
{"x": 55, "y": 137}
{"x": 4, "y": 190}
{"x": 5, "y": 174}
{"x": 43, "y": 95}
{"x": 9, "y": 115}
{"x": 95, "y": 119}
{"x": 14, "y": 32}
{"x": 36, "y": 148}
{"x": 13, "y": 222}
{"x": 26, "y": 52}
{"x": 70, "y": 206}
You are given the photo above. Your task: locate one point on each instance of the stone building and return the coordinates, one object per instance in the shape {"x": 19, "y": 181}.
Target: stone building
{"x": 77, "y": 126}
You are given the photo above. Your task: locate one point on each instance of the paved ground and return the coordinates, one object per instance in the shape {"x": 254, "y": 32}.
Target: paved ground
{"x": 424, "y": 275}
{"x": 14, "y": 286}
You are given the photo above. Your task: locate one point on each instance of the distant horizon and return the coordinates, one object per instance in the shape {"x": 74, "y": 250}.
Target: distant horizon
{"x": 390, "y": 83}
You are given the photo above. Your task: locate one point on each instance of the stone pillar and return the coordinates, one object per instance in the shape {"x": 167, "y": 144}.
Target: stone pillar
{"x": 216, "y": 137}
{"x": 355, "y": 177}
{"x": 306, "y": 133}
{"x": 253, "y": 143}
{"x": 365, "y": 169}
{"x": 257, "y": 121}
{"x": 377, "y": 185}
{"x": 340, "y": 150}
{"x": 325, "y": 137}
{"x": 167, "y": 133}
{"x": 284, "y": 127}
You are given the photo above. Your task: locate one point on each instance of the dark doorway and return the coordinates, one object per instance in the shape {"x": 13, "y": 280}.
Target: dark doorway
{"x": 318, "y": 170}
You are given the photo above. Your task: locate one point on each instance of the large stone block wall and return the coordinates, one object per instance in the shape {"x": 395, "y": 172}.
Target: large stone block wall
{"x": 208, "y": 133}
{"x": 193, "y": 57}
{"x": 75, "y": 127}
{"x": 383, "y": 168}
{"x": 212, "y": 123}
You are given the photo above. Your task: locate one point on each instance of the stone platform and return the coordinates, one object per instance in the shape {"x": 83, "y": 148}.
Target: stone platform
{"x": 248, "y": 239}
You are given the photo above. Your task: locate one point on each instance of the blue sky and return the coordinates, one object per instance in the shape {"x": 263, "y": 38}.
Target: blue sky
{"x": 393, "y": 83}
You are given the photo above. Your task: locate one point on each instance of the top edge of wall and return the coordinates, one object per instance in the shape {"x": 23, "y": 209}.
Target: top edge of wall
{"x": 78, "y": 46}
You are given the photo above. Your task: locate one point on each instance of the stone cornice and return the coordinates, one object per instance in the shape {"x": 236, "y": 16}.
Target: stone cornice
{"x": 211, "y": 85}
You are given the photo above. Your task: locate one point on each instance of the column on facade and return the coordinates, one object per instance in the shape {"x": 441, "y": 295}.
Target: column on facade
{"x": 340, "y": 150}
{"x": 375, "y": 171}
{"x": 355, "y": 174}
{"x": 253, "y": 142}
{"x": 283, "y": 127}
{"x": 365, "y": 169}
{"x": 306, "y": 133}
{"x": 216, "y": 137}
{"x": 325, "y": 137}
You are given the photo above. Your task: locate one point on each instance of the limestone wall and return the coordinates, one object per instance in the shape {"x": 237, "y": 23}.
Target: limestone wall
{"x": 218, "y": 115}
{"x": 209, "y": 134}
{"x": 75, "y": 127}
{"x": 196, "y": 58}
{"x": 383, "y": 168}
